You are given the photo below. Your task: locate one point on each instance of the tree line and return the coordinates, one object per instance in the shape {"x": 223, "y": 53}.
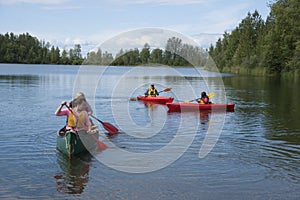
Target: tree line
{"x": 24, "y": 48}
{"x": 262, "y": 47}
{"x": 176, "y": 53}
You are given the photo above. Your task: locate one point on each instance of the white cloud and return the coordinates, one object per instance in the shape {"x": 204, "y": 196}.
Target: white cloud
{"x": 163, "y": 2}
{"x": 114, "y": 40}
{"x": 60, "y": 7}
{"x": 45, "y": 2}
{"x": 136, "y": 38}
{"x": 122, "y": 2}
{"x": 206, "y": 39}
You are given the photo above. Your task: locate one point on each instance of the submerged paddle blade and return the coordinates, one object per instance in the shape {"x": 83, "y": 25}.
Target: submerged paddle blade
{"x": 101, "y": 146}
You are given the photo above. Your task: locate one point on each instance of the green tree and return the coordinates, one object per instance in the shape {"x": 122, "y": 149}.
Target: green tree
{"x": 75, "y": 55}
{"x": 173, "y": 49}
{"x": 156, "y": 56}
{"x": 54, "y": 55}
{"x": 107, "y": 58}
{"x": 64, "y": 57}
{"x": 134, "y": 57}
{"x": 145, "y": 54}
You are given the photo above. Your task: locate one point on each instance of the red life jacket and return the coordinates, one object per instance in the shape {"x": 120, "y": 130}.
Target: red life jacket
{"x": 204, "y": 100}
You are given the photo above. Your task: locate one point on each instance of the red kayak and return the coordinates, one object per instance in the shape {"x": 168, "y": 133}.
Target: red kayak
{"x": 188, "y": 107}
{"x": 157, "y": 99}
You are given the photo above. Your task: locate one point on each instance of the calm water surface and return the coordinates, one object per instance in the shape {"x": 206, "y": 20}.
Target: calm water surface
{"x": 256, "y": 156}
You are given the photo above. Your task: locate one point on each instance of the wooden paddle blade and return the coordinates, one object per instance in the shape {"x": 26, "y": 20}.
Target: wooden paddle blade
{"x": 133, "y": 99}
{"x": 109, "y": 127}
{"x": 167, "y": 90}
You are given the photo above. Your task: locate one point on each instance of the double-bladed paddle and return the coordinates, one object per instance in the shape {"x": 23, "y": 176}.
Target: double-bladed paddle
{"x": 210, "y": 95}
{"x": 165, "y": 90}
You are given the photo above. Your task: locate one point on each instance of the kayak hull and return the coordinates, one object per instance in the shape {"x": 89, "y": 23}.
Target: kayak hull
{"x": 192, "y": 107}
{"x": 73, "y": 143}
{"x": 157, "y": 99}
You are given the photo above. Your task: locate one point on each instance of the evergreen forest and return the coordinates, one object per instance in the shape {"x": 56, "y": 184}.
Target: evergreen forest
{"x": 262, "y": 47}
{"x": 255, "y": 46}
{"x": 24, "y": 48}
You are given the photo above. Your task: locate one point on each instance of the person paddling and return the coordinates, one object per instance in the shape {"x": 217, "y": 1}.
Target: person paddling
{"x": 77, "y": 118}
{"x": 151, "y": 91}
{"x": 204, "y": 99}
{"x": 71, "y": 118}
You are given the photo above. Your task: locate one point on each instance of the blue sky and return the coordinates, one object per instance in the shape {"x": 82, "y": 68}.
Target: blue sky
{"x": 67, "y": 22}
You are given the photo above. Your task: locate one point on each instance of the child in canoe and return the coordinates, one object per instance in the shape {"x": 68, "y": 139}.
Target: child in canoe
{"x": 77, "y": 116}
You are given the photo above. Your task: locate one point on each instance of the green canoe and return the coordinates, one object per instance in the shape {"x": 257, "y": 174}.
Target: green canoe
{"x": 72, "y": 143}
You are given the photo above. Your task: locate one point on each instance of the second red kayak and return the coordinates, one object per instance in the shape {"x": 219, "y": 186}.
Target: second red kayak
{"x": 186, "y": 107}
{"x": 157, "y": 99}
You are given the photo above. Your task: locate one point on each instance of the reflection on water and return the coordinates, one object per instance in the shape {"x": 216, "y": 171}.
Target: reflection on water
{"x": 273, "y": 101}
{"x": 256, "y": 157}
{"x": 75, "y": 173}
{"x": 204, "y": 116}
{"x": 21, "y": 80}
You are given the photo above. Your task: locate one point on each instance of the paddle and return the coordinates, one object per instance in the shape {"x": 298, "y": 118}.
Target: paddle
{"x": 101, "y": 145}
{"x": 210, "y": 95}
{"x": 165, "y": 90}
{"x": 107, "y": 126}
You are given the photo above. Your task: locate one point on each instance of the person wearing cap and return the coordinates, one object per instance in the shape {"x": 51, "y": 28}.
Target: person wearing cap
{"x": 151, "y": 91}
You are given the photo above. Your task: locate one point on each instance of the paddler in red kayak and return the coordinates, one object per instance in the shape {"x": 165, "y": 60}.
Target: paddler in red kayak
{"x": 151, "y": 91}
{"x": 204, "y": 99}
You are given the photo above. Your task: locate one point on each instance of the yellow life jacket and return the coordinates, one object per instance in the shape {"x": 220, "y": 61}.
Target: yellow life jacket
{"x": 151, "y": 92}
{"x": 72, "y": 121}
{"x": 81, "y": 120}
{"x": 201, "y": 101}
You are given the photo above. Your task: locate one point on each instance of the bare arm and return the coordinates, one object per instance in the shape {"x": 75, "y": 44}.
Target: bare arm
{"x": 60, "y": 107}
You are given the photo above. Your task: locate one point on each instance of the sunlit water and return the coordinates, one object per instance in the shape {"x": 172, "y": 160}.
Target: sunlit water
{"x": 256, "y": 156}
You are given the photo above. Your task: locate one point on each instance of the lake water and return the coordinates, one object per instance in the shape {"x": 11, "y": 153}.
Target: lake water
{"x": 252, "y": 153}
